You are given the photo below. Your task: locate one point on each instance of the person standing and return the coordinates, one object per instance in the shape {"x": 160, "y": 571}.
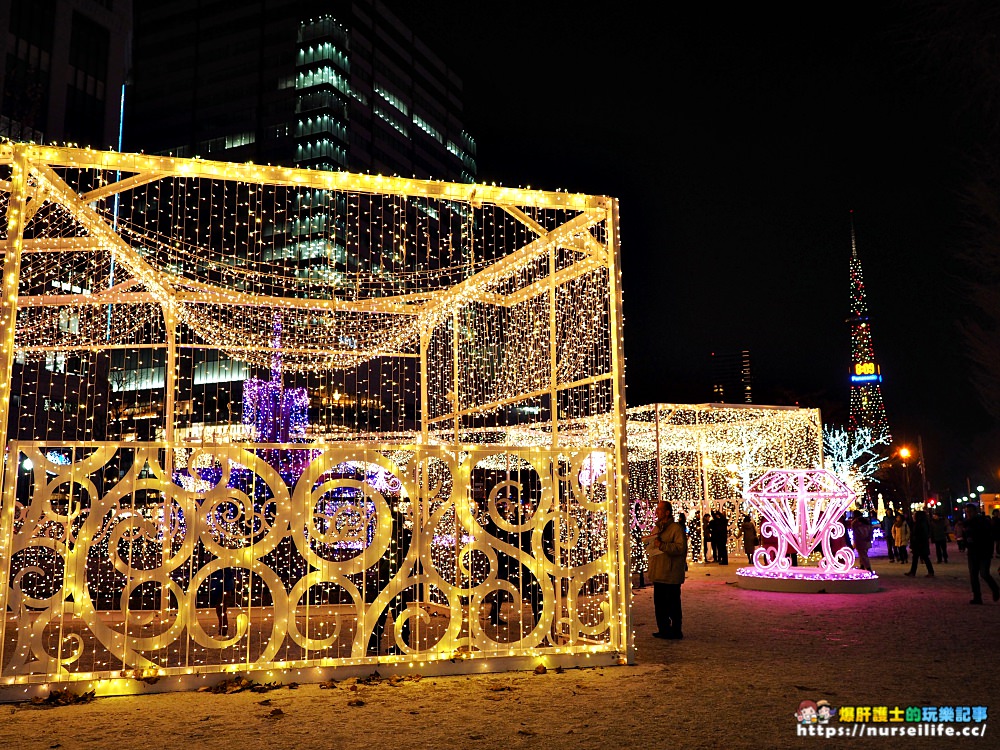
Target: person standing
{"x": 721, "y": 536}
{"x": 862, "y": 529}
{"x": 979, "y": 548}
{"x": 890, "y": 545}
{"x": 706, "y": 537}
{"x": 748, "y": 530}
{"x": 900, "y": 537}
{"x": 920, "y": 544}
{"x": 959, "y": 530}
{"x": 939, "y": 535}
{"x": 666, "y": 571}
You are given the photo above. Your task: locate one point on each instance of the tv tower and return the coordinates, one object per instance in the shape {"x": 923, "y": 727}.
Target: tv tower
{"x": 867, "y": 407}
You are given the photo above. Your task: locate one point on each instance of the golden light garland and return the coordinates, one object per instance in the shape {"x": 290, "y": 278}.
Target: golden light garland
{"x": 446, "y": 346}
{"x": 702, "y": 457}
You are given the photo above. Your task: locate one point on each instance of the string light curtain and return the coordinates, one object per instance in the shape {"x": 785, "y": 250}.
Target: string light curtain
{"x": 286, "y": 422}
{"x": 704, "y": 457}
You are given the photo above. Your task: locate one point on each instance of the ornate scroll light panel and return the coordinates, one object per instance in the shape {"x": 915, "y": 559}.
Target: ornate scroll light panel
{"x": 802, "y": 511}
{"x": 113, "y": 578}
{"x": 293, "y": 422}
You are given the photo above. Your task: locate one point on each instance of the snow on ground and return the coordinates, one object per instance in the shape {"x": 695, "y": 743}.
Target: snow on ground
{"x": 748, "y": 658}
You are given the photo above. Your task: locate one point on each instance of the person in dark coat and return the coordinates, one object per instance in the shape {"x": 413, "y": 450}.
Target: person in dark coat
{"x": 920, "y": 544}
{"x": 720, "y": 536}
{"x": 979, "y": 548}
{"x": 861, "y": 527}
{"x": 939, "y": 535}
{"x": 708, "y": 533}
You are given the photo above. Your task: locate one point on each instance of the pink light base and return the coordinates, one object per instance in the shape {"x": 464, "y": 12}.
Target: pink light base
{"x": 808, "y": 580}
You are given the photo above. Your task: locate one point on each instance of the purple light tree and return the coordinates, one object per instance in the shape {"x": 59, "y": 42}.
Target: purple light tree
{"x": 277, "y": 415}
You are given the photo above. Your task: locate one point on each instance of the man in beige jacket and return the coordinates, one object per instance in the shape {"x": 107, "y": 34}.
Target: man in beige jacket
{"x": 666, "y": 571}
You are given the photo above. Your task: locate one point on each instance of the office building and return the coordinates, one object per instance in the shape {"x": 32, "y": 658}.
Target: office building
{"x": 63, "y": 69}
{"x": 317, "y": 85}
{"x": 731, "y": 380}
{"x": 335, "y": 86}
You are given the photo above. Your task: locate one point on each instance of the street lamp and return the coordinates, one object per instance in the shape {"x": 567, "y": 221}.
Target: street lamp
{"x": 904, "y": 454}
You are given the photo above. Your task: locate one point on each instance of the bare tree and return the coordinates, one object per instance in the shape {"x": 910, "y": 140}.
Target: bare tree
{"x": 853, "y": 456}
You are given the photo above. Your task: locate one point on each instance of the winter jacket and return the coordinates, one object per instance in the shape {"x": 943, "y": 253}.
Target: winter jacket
{"x": 862, "y": 531}
{"x": 669, "y": 567}
{"x": 901, "y": 534}
{"x": 920, "y": 539}
{"x": 939, "y": 529}
{"x": 979, "y": 537}
{"x": 749, "y": 533}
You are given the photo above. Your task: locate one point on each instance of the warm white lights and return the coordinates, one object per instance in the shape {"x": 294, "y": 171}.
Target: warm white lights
{"x": 442, "y": 362}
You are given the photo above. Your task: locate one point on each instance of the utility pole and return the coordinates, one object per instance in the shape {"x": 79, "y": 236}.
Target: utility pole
{"x": 923, "y": 470}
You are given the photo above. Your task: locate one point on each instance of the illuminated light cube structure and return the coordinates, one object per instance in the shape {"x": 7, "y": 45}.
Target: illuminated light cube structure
{"x": 703, "y": 457}
{"x": 404, "y": 493}
{"x": 802, "y": 511}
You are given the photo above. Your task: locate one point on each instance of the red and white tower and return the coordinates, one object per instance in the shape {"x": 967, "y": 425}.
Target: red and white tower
{"x": 867, "y": 407}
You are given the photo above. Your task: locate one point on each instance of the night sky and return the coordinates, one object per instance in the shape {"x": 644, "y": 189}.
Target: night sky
{"x": 739, "y": 141}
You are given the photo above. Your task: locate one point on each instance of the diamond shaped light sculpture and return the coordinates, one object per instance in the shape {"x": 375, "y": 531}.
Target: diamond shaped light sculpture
{"x": 802, "y": 508}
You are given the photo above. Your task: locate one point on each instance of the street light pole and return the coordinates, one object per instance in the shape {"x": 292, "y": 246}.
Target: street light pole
{"x": 904, "y": 454}
{"x": 923, "y": 469}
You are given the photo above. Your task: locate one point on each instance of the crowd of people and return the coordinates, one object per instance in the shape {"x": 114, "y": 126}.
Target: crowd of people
{"x": 909, "y": 537}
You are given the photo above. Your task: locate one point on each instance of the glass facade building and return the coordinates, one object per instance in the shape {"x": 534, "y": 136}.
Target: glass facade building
{"x": 317, "y": 85}
{"x": 333, "y": 86}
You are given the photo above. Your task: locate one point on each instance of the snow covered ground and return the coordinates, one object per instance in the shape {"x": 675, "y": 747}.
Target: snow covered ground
{"x": 736, "y": 680}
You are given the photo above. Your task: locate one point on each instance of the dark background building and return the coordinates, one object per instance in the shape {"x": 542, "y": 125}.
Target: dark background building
{"x": 731, "y": 380}
{"x": 333, "y": 86}
{"x": 62, "y": 70}
{"x": 298, "y": 83}
{"x": 318, "y": 85}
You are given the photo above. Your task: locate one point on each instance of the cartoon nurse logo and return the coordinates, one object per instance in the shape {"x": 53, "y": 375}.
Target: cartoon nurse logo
{"x": 808, "y": 712}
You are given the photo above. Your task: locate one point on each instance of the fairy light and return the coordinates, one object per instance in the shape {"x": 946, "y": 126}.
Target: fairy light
{"x": 331, "y": 396}
{"x": 708, "y": 456}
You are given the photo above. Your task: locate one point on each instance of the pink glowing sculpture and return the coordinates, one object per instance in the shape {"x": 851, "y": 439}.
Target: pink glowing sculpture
{"x": 802, "y": 509}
